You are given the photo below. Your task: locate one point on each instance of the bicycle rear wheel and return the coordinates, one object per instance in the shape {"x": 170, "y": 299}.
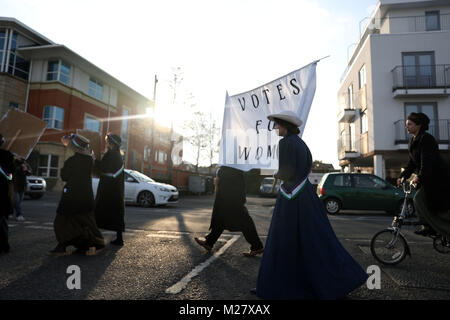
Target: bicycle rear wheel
{"x": 389, "y": 247}
{"x": 441, "y": 244}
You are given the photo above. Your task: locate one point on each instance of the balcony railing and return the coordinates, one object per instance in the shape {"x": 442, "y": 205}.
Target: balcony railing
{"x": 439, "y": 129}
{"x": 421, "y": 77}
{"x": 419, "y": 23}
{"x": 347, "y": 146}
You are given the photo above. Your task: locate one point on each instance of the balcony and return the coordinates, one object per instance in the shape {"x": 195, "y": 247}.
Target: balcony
{"x": 347, "y": 147}
{"x": 439, "y": 129}
{"x": 421, "y": 81}
{"x": 423, "y": 23}
{"x": 348, "y": 108}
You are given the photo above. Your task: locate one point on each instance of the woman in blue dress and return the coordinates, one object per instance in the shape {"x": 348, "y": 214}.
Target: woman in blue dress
{"x": 303, "y": 258}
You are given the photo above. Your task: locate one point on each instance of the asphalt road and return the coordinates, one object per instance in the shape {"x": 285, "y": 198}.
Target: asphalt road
{"x": 161, "y": 261}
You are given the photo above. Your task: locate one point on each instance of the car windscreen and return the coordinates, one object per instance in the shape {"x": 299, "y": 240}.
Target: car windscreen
{"x": 267, "y": 181}
{"x": 141, "y": 177}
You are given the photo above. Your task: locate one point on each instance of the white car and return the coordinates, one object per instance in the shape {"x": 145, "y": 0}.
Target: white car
{"x": 144, "y": 191}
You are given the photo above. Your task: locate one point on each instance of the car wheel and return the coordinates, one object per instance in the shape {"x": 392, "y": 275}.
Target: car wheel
{"x": 332, "y": 205}
{"x": 146, "y": 199}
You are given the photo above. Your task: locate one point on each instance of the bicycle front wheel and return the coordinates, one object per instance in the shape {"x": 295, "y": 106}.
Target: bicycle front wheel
{"x": 389, "y": 247}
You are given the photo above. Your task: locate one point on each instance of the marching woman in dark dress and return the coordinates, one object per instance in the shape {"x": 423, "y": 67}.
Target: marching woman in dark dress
{"x": 109, "y": 202}
{"x": 75, "y": 221}
{"x": 230, "y": 213}
{"x": 6, "y": 194}
{"x": 303, "y": 259}
{"x": 431, "y": 201}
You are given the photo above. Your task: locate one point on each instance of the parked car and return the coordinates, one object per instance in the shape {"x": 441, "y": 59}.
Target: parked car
{"x": 36, "y": 187}
{"x": 359, "y": 191}
{"x": 266, "y": 187}
{"x": 144, "y": 191}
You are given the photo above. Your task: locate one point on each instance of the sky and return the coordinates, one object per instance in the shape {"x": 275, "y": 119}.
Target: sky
{"x": 220, "y": 46}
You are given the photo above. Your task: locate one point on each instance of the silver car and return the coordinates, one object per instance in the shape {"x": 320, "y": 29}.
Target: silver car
{"x": 36, "y": 187}
{"x": 266, "y": 187}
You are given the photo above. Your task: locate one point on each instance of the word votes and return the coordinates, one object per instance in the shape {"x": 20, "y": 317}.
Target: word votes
{"x": 265, "y": 94}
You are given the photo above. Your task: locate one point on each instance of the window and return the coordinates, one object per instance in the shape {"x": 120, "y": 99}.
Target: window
{"x": 429, "y": 108}
{"x": 14, "y": 105}
{"x": 367, "y": 181}
{"x": 48, "y": 165}
{"x": 350, "y": 96}
{"x": 418, "y": 69}
{"x": 58, "y": 70}
{"x": 162, "y": 157}
{"x": 95, "y": 89}
{"x": 432, "y": 20}
{"x": 54, "y": 116}
{"x": 342, "y": 180}
{"x": 93, "y": 124}
{"x": 364, "y": 122}
{"x": 17, "y": 66}
{"x": 362, "y": 76}
{"x": 124, "y": 133}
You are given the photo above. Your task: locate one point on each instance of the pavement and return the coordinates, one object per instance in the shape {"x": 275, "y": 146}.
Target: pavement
{"x": 161, "y": 261}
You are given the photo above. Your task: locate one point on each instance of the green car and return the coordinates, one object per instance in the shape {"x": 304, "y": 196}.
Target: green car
{"x": 360, "y": 191}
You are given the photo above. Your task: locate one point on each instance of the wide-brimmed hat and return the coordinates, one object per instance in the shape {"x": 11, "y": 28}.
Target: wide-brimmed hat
{"x": 114, "y": 139}
{"x": 287, "y": 116}
{"x": 77, "y": 142}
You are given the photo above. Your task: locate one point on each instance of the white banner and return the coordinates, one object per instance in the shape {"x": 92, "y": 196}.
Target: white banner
{"x": 249, "y": 140}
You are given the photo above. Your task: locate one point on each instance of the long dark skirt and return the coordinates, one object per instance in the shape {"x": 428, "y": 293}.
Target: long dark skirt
{"x": 439, "y": 221}
{"x": 78, "y": 230}
{"x": 303, "y": 259}
{"x": 4, "y": 243}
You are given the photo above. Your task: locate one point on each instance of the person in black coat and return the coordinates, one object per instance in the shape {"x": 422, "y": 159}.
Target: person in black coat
{"x": 75, "y": 221}
{"x": 6, "y": 194}
{"x": 109, "y": 202}
{"x": 229, "y": 211}
{"x": 432, "y": 176}
{"x": 21, "y": 172}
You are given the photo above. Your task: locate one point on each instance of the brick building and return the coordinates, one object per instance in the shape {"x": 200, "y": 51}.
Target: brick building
{"x": 52, "y": 82}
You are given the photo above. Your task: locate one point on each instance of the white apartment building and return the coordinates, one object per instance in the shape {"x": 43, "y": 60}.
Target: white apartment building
{"x": 400, "y": 65}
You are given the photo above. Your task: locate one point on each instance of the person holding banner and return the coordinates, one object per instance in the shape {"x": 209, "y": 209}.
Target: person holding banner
{"x": 303, "y": 259}
{"x": 109, "y": 202}
{"x": 6, "y": 194}
{"x": 230, "y": 213}
{"x": 74, "y": 223}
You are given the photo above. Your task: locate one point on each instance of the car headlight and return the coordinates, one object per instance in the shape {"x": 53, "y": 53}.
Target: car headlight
{"x": 164, "y": 189}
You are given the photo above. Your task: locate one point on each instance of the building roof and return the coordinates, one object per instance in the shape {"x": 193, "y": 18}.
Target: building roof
{"x": 47, "y": 48}
{"x": 7, "y": 22}
{"x": 61, "y": 51}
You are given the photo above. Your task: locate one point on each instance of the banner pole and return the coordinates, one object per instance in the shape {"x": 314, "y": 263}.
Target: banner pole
{"x": 322, "y": 58}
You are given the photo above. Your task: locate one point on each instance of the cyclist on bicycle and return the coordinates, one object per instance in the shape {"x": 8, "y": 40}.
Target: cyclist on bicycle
{"x": 432, "y": 199}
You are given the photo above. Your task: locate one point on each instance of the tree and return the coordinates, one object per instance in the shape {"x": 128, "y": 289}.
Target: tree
{"x": 198, "y": 128}
{"x": 213, "y": 138}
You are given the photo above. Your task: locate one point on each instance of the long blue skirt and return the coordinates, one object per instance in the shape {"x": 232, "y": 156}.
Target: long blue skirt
{"x": 303, "y": 259}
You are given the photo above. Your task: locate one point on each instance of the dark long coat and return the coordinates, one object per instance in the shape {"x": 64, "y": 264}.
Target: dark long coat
{"x": 77, "y": 196}
{"x": 6, "y": 197}
{"x": 433, "y": 173}
{"x": 303, "y": 259}
{"x": 109, "y": 202}
{"x": 6, "y": 186}
{"x": 74, "y": 223}
{"x": 229, "y": 211}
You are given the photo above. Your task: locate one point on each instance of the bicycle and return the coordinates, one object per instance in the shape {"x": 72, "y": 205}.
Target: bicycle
{"x": 390, "y": 247}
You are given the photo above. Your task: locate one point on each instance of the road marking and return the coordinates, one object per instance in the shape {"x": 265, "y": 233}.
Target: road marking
{"x": 39, "y": 227}
{"x": 12, "y": 225}
{"x": 180, "y": 285}
{"x": 155, "y": 235}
